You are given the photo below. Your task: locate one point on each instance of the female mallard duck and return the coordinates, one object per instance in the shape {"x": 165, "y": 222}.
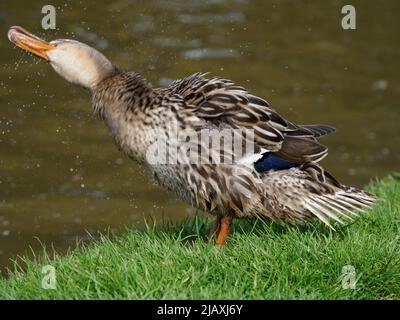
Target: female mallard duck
{"x": 278, "y": 179}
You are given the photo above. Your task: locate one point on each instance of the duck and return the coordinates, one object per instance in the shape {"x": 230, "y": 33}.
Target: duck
{"x": 209, "y": 141}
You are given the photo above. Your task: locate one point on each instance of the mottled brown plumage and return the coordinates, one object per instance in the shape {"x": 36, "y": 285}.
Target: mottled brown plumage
{"x": 147, "y": 123}
{"x": 129, "y": 104}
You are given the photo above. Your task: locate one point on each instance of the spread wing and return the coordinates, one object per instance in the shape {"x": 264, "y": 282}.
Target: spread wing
{"x": 222, "y": 102}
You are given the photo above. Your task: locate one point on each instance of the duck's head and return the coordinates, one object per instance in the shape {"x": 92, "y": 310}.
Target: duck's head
{"x": 74, "y": 61}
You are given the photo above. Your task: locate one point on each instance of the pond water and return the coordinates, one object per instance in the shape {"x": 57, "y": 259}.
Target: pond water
{"x": 60, "y": 174}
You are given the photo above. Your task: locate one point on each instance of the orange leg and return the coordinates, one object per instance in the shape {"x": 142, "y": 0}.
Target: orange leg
{"x": 223, "y": 231}
{"x": 216, "y": 227}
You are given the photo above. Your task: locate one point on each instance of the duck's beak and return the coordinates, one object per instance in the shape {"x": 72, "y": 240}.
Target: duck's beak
{"x": 29, "y": 42}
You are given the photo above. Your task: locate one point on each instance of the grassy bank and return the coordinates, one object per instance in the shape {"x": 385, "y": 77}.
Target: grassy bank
{"x": 260, "y": 261}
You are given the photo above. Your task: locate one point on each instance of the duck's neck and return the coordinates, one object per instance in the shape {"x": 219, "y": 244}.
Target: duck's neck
{"x": 122, "y": 92}
{"x": 122, "y": 101}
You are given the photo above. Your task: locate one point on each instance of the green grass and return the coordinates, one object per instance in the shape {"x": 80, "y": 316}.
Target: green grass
{"x": 260, "y": 261}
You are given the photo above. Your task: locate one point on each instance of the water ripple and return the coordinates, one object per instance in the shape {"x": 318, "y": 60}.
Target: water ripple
{"x": 210, "y": 53}
{"x": 211, "y": 18}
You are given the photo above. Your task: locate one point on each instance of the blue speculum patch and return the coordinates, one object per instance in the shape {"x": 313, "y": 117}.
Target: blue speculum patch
{"x": 272, "y": 162}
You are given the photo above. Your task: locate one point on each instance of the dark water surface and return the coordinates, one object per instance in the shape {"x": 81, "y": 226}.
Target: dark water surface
{"x": 61, "y": 175}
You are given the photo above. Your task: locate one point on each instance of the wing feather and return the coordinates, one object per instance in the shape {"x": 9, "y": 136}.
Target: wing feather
{"x": 220, "y": 101}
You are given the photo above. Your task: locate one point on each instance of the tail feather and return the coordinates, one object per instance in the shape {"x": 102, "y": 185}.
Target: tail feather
{"x": 301, "y": 150}
{"x": 300, "y": 143}
{"x": 339, "y": 208}
{"x": 339, "y": 205}
{"x": 319, "y": 130}
{"x": 295, "y": 195}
